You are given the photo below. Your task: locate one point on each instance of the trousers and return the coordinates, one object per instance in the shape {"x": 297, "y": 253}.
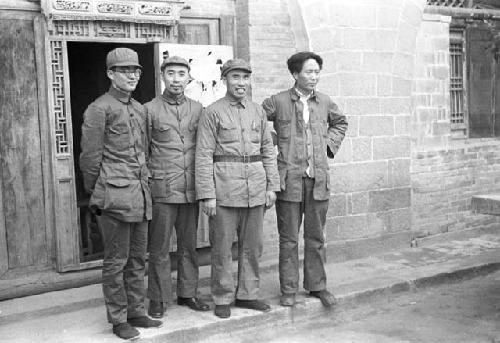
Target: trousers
{"x": 184, "y": 217}
{"x": 123, "y": 267}
{"x": 247, "y": 224}
{"x": 290, "y": 216}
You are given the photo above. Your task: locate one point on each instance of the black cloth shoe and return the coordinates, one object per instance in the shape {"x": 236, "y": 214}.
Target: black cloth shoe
{"x": 125, "y": 331}
{"x": 156, "y": 309}
{"x": 222, "y": 311}
{"x": 253, "y": 305}
{"x": 193, "y": 303}
{"x": 144, "y": 322}
{"x": 287, "y": 299}
{"x": 327, "y": 298}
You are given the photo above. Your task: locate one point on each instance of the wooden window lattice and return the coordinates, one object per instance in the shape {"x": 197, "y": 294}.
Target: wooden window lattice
{"x": 457, "y": 112}
{"x": 61, "y": 129}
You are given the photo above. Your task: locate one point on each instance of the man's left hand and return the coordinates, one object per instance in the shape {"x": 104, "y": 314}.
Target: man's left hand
{"x": 270, "y": 199}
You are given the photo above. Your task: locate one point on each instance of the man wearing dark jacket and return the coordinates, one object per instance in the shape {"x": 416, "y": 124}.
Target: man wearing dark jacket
{"x": 310, "y": 128}
{"x": 172, "y": 125}
{"x": 113, "y": 164}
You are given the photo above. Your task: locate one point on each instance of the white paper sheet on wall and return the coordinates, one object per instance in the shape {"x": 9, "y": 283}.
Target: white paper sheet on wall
{"x": 206, "y": 61}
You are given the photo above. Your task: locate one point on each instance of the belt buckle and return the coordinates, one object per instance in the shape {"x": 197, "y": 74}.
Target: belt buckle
{"x": 246, "y": 158}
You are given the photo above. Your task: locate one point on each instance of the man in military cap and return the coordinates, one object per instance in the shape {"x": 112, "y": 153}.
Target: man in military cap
{"x": 310, "y": 128}
{"x": 172, "y": 125}
{"x": 113, "y": 163}
{"x": 236, "y": 179}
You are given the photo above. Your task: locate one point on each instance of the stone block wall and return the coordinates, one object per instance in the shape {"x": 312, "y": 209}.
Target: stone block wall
{"x": 431, "y": 99}
{"x": 369, "y": 53}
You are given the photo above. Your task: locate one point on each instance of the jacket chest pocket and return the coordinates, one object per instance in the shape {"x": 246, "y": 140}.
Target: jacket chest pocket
{"x": 228, "y": 133}
{"x": 118, "y": 135}
{"x": 163, "y": 133}
{"x": 284, "y": 128}
{"x": 255, "y": 132}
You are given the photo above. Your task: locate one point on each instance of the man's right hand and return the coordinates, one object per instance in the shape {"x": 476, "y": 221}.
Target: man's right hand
{"x": 208, "y": 207}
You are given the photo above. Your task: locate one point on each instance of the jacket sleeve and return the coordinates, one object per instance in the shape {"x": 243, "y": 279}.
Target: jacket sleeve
{"x": 270, "y": 110}
{"x": 269, "y": 157}
{"x": 205, "y": 147}
{"x": 337, "y": 126}
{"x": 92, "y": 144}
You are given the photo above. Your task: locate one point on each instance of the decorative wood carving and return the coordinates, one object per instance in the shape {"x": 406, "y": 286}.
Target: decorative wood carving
{"x": 166, "y": 12}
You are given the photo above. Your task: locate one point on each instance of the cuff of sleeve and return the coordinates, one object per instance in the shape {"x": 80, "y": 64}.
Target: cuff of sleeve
{"x": 273, "y": 187}
{"x": 205, "y": 195}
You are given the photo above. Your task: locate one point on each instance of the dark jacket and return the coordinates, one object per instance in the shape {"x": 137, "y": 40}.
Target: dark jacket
{"x": 327, "y": 125}
{"x": 113, "y": 158}
{"x": 172, "y": 126}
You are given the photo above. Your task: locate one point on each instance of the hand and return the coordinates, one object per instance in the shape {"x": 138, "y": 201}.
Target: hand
{"x": 208, "y": 207}
{"x": 270, "y": 199}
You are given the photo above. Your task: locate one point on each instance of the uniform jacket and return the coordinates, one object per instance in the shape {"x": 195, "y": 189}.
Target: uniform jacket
{"x": 328, "y": 126}
{"x": 172, "y": 126}
{"x": 113, "y": 158}
{"x": 232, "y": 128}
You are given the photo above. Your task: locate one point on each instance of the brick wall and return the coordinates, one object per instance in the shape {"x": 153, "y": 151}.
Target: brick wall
{"x": 443, "y": 182}
{"x": 369, "y": 53}
{"x": 271, "y": 42}
{"x": 445, "y": 172}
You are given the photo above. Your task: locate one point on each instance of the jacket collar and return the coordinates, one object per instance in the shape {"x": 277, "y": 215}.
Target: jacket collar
{"x": 234, "y": 102}
{"x": 296, "y": 96}
{"x": 166, "y": 96}
{"x": 119, "y": 95}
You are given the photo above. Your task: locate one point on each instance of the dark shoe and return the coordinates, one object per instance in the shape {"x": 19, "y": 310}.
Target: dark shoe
{"x": 253, "y": 305}
{"x": 125, "y": 331}
{"x": 156, "y": 309}
{"x": 144, "y": 322}
{"x": 327, "y": 298}
{"x": 287, "y": 299}
{"x": 193, "y": 303}
{"x": 222, "y": 311}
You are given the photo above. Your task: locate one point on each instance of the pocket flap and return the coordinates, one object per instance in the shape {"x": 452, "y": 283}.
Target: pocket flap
{"x": 158, "y": 174}
{"x": 119, "y": 182}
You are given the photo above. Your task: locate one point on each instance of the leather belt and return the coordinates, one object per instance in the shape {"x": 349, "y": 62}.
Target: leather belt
{"x": 237, "y": 158}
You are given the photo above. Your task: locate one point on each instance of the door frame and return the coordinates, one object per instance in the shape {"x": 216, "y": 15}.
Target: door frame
{"x": 59, "y": 33}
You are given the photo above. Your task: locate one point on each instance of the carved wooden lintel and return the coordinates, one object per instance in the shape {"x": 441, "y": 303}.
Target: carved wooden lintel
{"x": 140, "y": 11}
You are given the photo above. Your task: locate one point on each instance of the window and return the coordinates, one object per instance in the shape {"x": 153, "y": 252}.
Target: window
{"x": 457, "y": 99}
{"x": 474, "y": 80}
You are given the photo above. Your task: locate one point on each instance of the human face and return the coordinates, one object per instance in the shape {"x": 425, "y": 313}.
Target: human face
{"x": 124, "y": 78}
{"x": 176, "y": 78}
{"x": 237, "y": 83}
{"x": 308, "y": 77}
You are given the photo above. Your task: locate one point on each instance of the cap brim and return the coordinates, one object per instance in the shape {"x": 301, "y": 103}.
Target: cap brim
{"x": 125, "y": 64}
{"x": 163, "y": 66}
{"x": 236, "y": 68}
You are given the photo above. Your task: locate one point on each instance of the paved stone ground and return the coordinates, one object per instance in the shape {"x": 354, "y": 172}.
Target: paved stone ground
{"x": 77, "y": 315}
{"x": 464, "y": 311}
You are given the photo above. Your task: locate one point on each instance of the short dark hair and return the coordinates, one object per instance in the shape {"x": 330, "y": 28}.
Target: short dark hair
{"x": 296, "y": 61}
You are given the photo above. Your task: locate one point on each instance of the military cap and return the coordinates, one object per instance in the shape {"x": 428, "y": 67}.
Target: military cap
{"x": 234, "y": 64}
{"x": 122, "y": 57}
{"x": 174, "y": 60}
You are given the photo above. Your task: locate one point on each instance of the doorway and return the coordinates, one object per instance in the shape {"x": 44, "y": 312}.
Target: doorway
{"x": 88, "y": 81}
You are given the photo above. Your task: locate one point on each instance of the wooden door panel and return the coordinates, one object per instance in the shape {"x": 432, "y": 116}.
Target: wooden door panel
{"x": 23, "y": 212}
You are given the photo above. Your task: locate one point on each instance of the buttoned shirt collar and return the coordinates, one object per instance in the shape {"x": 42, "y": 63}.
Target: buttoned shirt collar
{"x": 173, "y": 100}
{"x": 296, "y": 94}
{"x": 120, "y": 95}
